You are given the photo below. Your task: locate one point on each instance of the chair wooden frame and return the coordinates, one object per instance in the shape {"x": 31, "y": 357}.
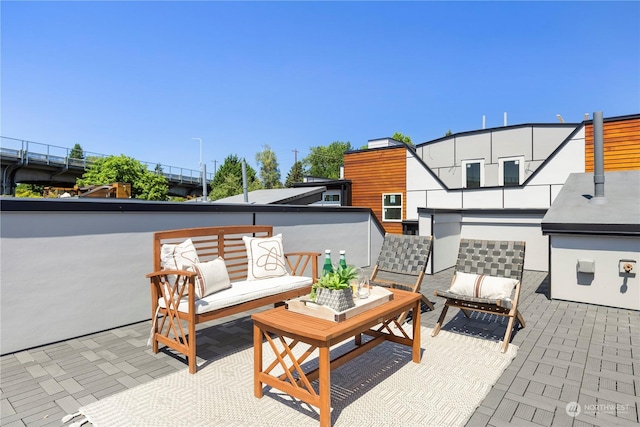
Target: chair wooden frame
{"x": 402, "y": 263}
{"x": 493, "y": 258}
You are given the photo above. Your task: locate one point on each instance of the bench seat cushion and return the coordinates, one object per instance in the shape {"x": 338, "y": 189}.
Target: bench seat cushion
{"x": 243, "y": 291}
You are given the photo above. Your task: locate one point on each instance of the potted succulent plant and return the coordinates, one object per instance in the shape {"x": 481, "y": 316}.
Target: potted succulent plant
{"x": 334, "y": 289}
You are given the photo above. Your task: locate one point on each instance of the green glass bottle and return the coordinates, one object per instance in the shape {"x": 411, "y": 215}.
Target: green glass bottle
{"x": 343, "y": 259}
{"x": 327, "y": 267}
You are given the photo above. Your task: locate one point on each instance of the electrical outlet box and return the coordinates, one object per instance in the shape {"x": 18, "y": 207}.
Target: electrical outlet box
{"x": 586, "y": 266}
{"x": 627, "y": 266}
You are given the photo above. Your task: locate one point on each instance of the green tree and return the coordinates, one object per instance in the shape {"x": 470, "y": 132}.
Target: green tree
{"x": 404, "y": 138}
{"x": 29, "y": 190}
{"x": 449, "y": 133}
{"x": 325, "y": 162}
{"x": 296, "y": 174}
{"x": 145, "y": 184}
{"x": 228, "y": 179}
{"x": 269, "y": 170}
{"x": 76, "y": 152}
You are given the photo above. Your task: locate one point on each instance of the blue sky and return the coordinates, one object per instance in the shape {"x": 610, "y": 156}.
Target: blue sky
{"x": 144, "y": 78}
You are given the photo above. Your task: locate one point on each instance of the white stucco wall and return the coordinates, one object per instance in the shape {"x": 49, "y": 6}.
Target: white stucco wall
{"x": 71, "y": 273}
{"x": 442, "y": 199}
{"x": 446, "y": 240}
{"x": 419, "y": 181}
{"x": 546, "y": 140}
{"x": 535, "y": 143}
{"x": 418, "y": 177}
{"x": 568, "y": 160}
{"x": 505, "y": 227}
{"x": 512, "y": 142}
{"x": 448, "y": 228}
{"x": 606, "y": 286}
{"x": 439, "y": 154}
{"x": 415, "y": 200}
{"x": 489, "y": 198}
{"x": 529, "y": 196}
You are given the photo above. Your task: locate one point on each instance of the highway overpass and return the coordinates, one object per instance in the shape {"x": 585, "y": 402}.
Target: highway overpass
{"x": 31, "y": 162}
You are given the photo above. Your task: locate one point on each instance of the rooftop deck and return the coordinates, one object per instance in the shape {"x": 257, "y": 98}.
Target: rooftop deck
{"x": 568, "y": 352}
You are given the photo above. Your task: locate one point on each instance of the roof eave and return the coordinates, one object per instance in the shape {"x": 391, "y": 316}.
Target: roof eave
{"x": 618, "y": 230}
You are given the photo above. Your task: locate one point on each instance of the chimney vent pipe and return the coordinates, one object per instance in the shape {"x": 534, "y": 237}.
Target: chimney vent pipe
{"x": 245, "y": 188}
{"x": 598, "y": 155}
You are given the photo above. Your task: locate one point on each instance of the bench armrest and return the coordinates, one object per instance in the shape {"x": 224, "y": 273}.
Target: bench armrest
{"x": 161, "y": 273}
{"x": 172, "y": 286}
{"x": 299, "y": 261}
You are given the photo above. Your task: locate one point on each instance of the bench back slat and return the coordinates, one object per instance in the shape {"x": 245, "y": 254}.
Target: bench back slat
{"x": 212, "y": 242}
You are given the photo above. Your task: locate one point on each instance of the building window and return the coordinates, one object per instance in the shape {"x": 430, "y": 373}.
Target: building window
{"x": 473, "y": 173}
{"x": 392, "y": 207}
{"x": 511, "y": 171}
{"x": 331, "y": 197}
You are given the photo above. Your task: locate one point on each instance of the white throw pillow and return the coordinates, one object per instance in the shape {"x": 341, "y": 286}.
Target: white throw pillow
{"x": 212, "y": 277}
{"x": 266, "y": 257}
{"x": 481, "y": 286}
{"x": 178, "y": 257}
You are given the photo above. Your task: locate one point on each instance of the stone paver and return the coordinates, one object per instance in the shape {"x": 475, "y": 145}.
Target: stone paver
{"x": 570, "y": 355}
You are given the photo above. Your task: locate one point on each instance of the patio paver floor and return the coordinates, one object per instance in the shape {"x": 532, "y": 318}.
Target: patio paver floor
{"x": 569, "y": 352}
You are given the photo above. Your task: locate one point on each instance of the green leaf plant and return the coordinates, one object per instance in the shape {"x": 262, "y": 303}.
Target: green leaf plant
{"x": 340, "y": 278}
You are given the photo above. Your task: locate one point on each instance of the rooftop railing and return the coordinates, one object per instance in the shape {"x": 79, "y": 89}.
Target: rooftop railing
{"x": 30, "y": 152}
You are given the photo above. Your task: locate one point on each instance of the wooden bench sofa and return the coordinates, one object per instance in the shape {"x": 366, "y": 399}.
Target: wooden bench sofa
{"x": 177, "y": 301}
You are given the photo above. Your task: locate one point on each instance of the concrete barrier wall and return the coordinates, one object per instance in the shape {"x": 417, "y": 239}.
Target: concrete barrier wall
{"x": 76, "y": 267}
{"x": 608, "y": 284}
{"x": 448, "y": 226}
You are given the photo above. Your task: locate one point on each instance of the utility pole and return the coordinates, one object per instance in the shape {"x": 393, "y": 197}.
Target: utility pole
{"x": 295, "y": 154}
{"x": 203, "y": 172}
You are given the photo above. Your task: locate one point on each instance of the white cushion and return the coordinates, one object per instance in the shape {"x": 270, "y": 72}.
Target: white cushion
{"x": 174, "y": 257}
{"x": 178, "y": 257}
{"x": 212, "y": 277}
{"x": 266, "y": 257}
{"x": 481, "y": 286}
{"x": 243, "y": 291}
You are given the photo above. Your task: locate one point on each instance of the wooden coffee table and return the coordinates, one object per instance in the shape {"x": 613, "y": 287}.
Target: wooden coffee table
{"x": 276, "y": 324}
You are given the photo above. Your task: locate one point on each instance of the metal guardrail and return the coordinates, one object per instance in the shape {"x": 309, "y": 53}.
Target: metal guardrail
{"x": 25, "y": 152}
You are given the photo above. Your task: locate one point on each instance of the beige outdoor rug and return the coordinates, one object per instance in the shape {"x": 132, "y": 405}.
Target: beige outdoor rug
{"x": 383, "y": 387}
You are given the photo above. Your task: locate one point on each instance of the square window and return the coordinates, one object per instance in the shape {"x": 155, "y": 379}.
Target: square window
{"x": 392, "y": 207}
{"x": 511, "y": 171}
{"x": 473, "y": 173}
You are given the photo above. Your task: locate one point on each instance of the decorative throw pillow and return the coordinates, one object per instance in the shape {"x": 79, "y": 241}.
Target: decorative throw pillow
{"x": 178, "y": 257}
{"x": 266, "y": 257}
{"x": 212, "y": 277}
{"x": 481, "y": 286}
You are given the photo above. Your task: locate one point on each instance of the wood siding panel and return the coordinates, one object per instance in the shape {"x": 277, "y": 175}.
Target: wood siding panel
{"x": 621, "y": 145}
{"x": 376, "y": 172}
